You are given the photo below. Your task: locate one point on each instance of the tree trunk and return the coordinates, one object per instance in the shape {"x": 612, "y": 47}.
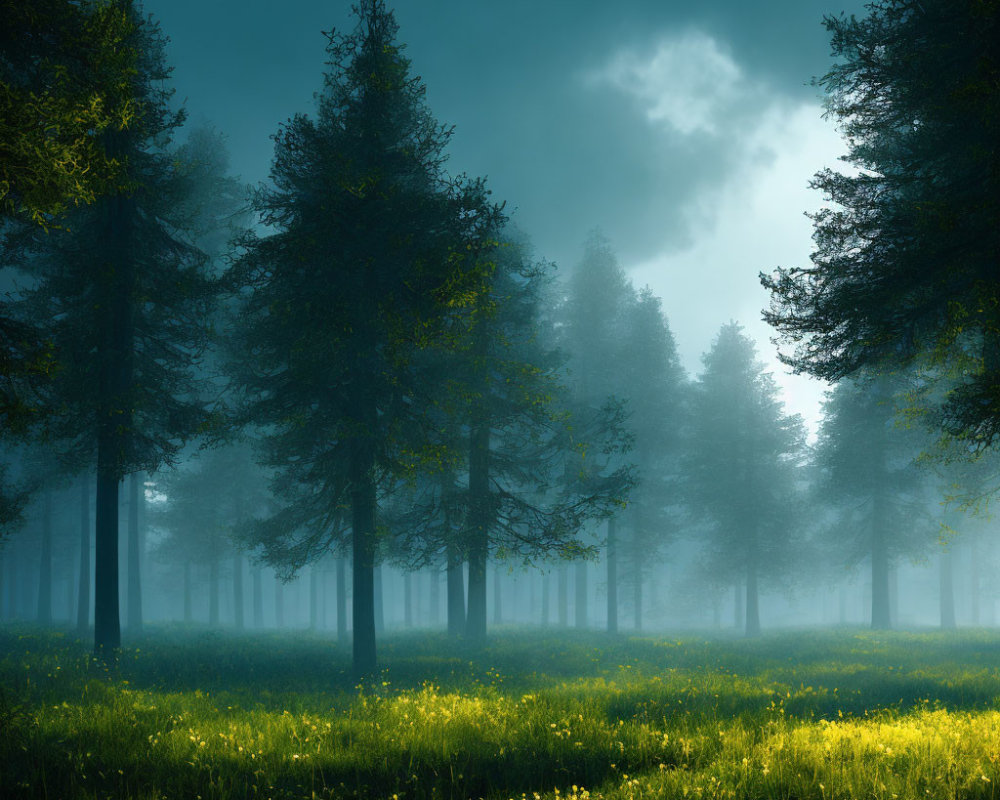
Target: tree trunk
{"x": 546, "y": 591}
{"x": 435, "y": 596}
{"x": 114, "y": 385}
{"x": 45, "y": 566}
{"x": 258, "y": 598}
{"x": 947, "y": 593}
{"x": 456, "y": 593}
{"x": 580, "y": 597}
{"x": 379, "y": 600}
{"x": 580, "y": 606}
{"x": 213, "y": 592}
{"x": 974, "y": 582}
{"x": 753, "y": 605}
{"x": 612, "y": 556}
{"x": 497, "y": 597}
{"x": 893, "y": 596}
{"x": 238, "y": 591}
{"x": 341, "y": 601}
{"x": 532, "y": 578}
{"x": 134, "y": 587}
{"x": 563, "y": 596}
{"x": 880, "y": 567}
{"x": 363, "y": 614}
{"x": 475, "y": 622}
{"x": 188, "y": 604}
{"x": 279, "y": 603}
{"x": 637, "y": 599}
{"x": 313, "y": 598}
{"x": 11, "y": 564}
{"x": 407, "y": 599}
{"x": 83, "y": 583}
{"x": 739, "y": 614}
{"x": 479, "y": 525}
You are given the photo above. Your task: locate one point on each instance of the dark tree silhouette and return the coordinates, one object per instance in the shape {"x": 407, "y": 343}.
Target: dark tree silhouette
{"x": 368, "y": 256}
{"x": 905, "y": 266}
{"x": 868, "y": 472}
{"x": 128, "y": 296}
{"x": 740, "y": 467}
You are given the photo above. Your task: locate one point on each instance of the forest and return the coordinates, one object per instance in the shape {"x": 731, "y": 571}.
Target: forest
{"x": 334, "y": 485}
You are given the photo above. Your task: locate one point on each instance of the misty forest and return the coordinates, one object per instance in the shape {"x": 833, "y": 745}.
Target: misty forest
{"x": 532, "y": 450}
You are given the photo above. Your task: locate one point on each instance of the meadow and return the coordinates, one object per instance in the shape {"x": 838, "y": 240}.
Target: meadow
{"x": 189, "y": 713}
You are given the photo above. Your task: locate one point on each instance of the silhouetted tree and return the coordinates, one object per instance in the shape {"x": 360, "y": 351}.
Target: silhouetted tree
{"x": 868, "y": 473}
{"x": 654, "y": 386}
{"x": 366, "y": 259}
{"x": 599, "y": 298}
{"x": 530, "y": 487}
{"x": 904, "y": 268}
{"x": 127, "y": 294}
{"x": 209, "y": 506}
{"x": 741, "y": 467}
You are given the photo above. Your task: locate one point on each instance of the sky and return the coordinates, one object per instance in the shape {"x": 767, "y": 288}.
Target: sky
{"x": 687, "y": 132}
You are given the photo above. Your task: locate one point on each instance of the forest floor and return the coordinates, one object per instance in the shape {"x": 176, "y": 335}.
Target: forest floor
{"x": 190, "y": 713}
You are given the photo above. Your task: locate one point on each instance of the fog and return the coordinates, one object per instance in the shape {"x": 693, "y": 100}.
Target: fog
{"x": 585, "y": 424}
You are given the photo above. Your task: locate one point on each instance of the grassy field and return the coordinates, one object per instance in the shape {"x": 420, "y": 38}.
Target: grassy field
{"x": 189, "y": 713}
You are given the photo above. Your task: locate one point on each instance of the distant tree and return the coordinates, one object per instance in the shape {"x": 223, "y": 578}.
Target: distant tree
{"x": 128, "y": 296}
{"x": 360, "y": 272}
{"x": 904, "y": 269}
{"x": 655, "y": 388}
{"x": 742, "y": 466}
{"x": 209, "y": 506}
{"x": 868, "y": 472}
{"x": 598, "y": 300}
{"x": 531, "y": 486}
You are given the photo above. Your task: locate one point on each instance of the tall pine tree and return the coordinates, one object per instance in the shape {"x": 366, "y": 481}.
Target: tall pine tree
{"x": 373, "y": 245}
{"x": 128, "y": 295}
{"x": 741, "y": 467}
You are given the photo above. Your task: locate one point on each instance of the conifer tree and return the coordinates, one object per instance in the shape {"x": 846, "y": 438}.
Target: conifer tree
{"x": 655, "y": 387}
{"x": 741, "y": 466}
{"x": 868, "y": 472}
{"x": 530, "y": 490}
{"x": 373, "y": 246}
{"x": 598, "y": 299}
{"x": 128, "y": 296}
{"x": 904, "y": 271}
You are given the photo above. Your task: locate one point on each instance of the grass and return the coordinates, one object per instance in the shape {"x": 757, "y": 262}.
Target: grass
{"x": 188, "y": 714}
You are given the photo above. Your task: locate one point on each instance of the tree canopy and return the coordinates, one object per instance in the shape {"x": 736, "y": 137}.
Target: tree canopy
{"x": 904, "y": 270}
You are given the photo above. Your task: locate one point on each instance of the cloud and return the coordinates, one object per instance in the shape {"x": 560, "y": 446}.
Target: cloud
{"x": 689, "y": 83}
{"x": 751, "y": 222}
{"x": 748, "y": 220}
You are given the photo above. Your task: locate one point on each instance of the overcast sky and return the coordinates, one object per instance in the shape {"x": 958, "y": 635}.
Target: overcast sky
{"x": 687, "y": 132}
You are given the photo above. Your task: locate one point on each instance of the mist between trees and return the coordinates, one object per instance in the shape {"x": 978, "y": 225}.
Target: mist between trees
{"x": 352, "y": 399}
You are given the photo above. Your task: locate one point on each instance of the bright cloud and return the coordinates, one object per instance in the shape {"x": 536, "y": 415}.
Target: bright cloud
{"x": 688, "y": 83}
{"x": 752, "y": 221}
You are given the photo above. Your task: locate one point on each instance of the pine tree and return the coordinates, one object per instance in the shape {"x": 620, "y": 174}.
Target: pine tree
{"x": 59, "y": 64}
{"x": 599, "y": 297}
{"x": 367, "y": 257}
{"x": 210, "y": 504}
{"x": 868, "y": 472}
{"x": 655, "y": 387}
{"x": 904, "y": 271}
{"x": 128, "y": 295}
{"x": 503, "y": 407}
{"x": 741, "y": 467}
